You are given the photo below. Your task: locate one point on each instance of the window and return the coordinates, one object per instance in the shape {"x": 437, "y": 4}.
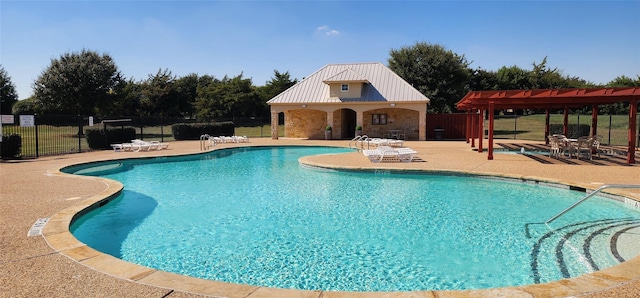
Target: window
{"x": 378, "y": 119}
{"x": 344, "y": 88}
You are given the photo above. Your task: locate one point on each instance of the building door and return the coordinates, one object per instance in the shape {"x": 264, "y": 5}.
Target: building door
{"x": 348, "y": 124}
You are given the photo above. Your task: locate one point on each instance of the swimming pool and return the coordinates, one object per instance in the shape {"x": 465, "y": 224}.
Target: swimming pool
{"x": 273, "y": 223}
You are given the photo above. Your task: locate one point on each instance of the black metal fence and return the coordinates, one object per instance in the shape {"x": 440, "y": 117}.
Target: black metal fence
{"x": 46, "y": 135}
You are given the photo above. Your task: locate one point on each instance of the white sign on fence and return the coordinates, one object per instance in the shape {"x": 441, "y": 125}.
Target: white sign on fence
{"x": 90, "y": 120}
{"x": 27, "y": 120}
{"x": 7, "y": 119}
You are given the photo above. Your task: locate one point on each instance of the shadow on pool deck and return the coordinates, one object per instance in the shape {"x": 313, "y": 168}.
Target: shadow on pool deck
{"x": 60, "y": 266}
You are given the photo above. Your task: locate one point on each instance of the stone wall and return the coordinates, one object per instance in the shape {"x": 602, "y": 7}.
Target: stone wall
{"x": 402, "y": 119}
{"x": 305, "y": 123}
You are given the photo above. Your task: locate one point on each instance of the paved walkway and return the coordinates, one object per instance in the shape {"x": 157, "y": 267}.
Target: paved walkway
{"x": 54, "y": 265}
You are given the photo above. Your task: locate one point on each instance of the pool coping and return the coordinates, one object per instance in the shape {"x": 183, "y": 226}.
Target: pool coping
{"x": 57, "y": 235}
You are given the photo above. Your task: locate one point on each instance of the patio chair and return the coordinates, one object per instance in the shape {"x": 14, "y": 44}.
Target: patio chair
{"x": 595, "y": 146}
{"x": 584, "y": 145}
{"x": 554, "y": 143}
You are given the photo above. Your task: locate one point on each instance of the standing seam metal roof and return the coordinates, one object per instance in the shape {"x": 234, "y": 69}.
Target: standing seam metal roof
{"x": 384, "y": 85}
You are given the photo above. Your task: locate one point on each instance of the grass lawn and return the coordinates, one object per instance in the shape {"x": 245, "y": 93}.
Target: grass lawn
{"x": 532, "y": 127}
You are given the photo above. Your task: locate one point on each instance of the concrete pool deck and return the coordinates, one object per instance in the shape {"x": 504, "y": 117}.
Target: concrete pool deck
{"x": 56, "y": 265}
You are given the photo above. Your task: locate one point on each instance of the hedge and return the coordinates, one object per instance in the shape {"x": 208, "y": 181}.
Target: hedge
{"x": 193, "y": 131}
{"x": 102, "y": 139}
{"x": 11, "y": 146}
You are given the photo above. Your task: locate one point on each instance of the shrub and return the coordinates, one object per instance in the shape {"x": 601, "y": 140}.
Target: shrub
{"x": 185, "y": 131}
{"x": 574, "y": 132}
{"x": 11, "y": 146}
{"x": 101, "y": 139}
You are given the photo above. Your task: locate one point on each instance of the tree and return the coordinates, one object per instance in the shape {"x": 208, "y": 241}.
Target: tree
{"x": 241, "y": 96}
{"x": 624, "y": 81}
{"x": 483, "y": 80}
{"x": 543, "y": 77}
{"x": 438, "y": 73}
{"x": 513, "y": 77}
{"x": 278, "y": 83}
{"x": 127, "y": 102}
{"x": 78, "y": 83}
{"x": 206, "y": 104}
{"x": 187, "y": 89}
{"x": 159, "y": 95}
{"x": 8, "y": 95}
{"x": 26, "y": 106}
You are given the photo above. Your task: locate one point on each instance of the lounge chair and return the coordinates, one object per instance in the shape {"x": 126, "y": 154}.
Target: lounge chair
{"x": 159, "y": 145}
{"x": 383, "y": 142}
{"x": 140, "y": 145}
{"x": 117, "y": 147}
{"x": 241, "y": 139}
{"x": 389, "y": 154}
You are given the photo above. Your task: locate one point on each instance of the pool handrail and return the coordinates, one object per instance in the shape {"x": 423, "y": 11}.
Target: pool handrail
{"x": 589, "y": 196}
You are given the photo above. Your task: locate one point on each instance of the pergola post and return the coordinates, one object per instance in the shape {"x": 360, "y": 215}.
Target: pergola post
{"x": 480, "y": 129}
{"x": 473, "y": 128}
{"x": 490, "y": 149}
{"x": 546, "y": 126}
{"x": 468, "y": 126}
{"x": 633, "y": 114}
{"x": 565, "y": 126}
{"x": 594, "y": 120}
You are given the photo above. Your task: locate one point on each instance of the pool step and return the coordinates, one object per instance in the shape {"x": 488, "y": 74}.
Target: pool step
{"x": 576, "y": 249}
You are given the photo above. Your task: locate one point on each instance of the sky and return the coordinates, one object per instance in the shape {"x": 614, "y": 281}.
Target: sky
{"x": 594, "y": 40}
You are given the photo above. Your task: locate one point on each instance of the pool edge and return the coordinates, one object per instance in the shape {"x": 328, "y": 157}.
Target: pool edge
{"x": 60, "y": 240}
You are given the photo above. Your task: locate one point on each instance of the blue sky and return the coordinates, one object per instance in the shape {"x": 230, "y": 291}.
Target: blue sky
{"x": 594, "y": 40}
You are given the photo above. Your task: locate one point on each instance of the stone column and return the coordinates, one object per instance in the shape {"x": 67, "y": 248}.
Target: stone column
{"x": 360, "y": 119}
{"x": 274, "y": 125}
{"x": 422, "y": 130}
{"x": 330, "y": 121}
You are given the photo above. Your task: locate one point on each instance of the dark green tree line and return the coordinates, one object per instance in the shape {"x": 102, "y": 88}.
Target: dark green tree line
{"x": 90, "y": 83}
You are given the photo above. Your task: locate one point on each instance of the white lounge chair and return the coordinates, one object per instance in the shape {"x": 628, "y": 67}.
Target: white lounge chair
{"x": 388, "y": 154}
{"x": 241, "y": 139}
{"x": 140, "y": 145}
{"x": 159, "y": 145}
{"x": 117, "y": 147}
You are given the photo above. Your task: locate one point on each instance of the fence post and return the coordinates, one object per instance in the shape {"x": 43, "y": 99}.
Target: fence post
{"x": 161, "y": 129}
{"x": 35, "y": 119}
{"x": 141, "y": 129}
{"x": 80, "y": 134}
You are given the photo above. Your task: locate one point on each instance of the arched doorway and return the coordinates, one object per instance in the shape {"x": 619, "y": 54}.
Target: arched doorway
{"x": 347, "y": 124}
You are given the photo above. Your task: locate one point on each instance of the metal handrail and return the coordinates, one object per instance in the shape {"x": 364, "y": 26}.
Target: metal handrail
{"x": 588, "y": 196}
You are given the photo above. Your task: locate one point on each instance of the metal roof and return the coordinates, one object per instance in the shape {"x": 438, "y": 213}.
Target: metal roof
{"x": 383, "y": 86}
{"x": 347, "y": 75}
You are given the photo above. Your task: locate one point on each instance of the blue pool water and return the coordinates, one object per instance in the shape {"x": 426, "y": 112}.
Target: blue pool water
{"x": 255, "y": 216}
